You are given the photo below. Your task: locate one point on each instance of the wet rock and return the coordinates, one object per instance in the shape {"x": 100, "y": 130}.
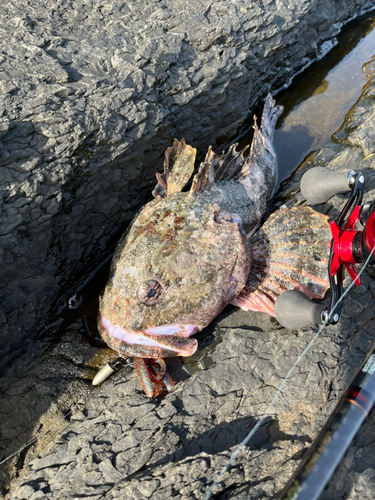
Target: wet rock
{"x": 92, "y": 94}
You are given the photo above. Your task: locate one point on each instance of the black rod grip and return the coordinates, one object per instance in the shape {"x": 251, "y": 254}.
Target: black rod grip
{"x": 319, "y": 184}
{"x": 294, "y": 310}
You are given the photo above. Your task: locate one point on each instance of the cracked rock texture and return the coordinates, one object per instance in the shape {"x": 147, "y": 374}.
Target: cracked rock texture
{"x": 123, "y": 445}
{"x": 92, "y": 93}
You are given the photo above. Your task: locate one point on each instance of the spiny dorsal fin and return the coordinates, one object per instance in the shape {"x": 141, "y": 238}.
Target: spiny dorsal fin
{"x": 219, "y": 168}
{"x": 180, "y": 158}
{"x": 178, "y": 168}
{"x": 202, "y": 178}
{"x": 262, "y": 140}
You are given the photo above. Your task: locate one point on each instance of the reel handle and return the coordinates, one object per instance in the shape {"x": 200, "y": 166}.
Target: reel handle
{"x": 319, "y": 184}
{"x": 294, "y": 310}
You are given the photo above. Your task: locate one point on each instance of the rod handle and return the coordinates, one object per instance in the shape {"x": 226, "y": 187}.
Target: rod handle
{"x": 294, "y": 310}
{"x": 319, "y": 184}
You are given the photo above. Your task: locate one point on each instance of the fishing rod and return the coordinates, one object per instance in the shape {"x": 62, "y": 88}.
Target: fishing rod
{"x": 327, "y": 450}
{"x": 349, "y": 246}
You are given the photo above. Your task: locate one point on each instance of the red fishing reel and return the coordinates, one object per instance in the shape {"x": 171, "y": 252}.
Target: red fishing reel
{"x": 350, "y": 245}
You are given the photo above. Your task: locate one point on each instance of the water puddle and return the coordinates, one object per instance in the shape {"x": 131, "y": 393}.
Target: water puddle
{"x": 316, "y": 103}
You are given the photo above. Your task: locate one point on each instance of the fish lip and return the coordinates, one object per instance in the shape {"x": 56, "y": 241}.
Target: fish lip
{"x": 150, "y": 336}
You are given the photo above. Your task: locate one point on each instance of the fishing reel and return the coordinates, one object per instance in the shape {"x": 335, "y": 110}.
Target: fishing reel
{"x": 349, "y": 246}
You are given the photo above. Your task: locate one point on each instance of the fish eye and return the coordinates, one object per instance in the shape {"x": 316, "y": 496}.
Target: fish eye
{"x": 149, "y": 292}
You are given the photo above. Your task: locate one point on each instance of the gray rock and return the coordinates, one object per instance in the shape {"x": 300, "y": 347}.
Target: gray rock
{"x": 125, "y": 446}
{"x": 92, "y": 94}
{"x": 122, "y": 445}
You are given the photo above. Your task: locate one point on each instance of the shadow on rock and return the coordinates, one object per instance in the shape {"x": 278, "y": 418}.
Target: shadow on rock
{"x": 225, "y": 436}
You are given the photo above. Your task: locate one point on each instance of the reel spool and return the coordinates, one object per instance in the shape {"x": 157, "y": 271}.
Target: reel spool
{"x": 349, "y": 246}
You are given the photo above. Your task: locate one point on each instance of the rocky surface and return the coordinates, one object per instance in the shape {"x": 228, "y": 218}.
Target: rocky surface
{"x": 91, "y": 95}
{"x": 125, "y": 446}
{"x": 122, "y": 445}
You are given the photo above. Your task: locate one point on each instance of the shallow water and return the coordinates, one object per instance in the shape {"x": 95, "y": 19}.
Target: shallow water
{"x": 316, "y": 102}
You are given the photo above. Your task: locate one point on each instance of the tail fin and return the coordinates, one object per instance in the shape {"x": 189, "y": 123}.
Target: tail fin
{"x": 291, "y": 251}
{"x": 234, "y": 164}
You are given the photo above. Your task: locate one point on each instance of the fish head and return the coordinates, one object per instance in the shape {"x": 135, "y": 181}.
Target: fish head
{"x": 174, "y": 271}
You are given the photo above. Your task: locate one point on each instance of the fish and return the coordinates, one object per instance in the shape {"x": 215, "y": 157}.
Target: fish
{"x": 189, "y": 253}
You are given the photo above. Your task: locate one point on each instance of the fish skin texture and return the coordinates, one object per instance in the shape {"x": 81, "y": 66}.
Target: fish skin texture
{"x": 188, "y": 254}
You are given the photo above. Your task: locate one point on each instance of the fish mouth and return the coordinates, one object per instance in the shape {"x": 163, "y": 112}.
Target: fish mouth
{"x": 170, "y": 337}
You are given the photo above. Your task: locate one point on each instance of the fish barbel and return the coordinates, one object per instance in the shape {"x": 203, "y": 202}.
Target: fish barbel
{"x": 188, "y": 254}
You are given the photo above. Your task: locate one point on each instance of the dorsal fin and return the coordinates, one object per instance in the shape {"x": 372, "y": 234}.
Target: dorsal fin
{"x": 261, "y": 144}
{"x": 178, "y": 168}
{"x": 202, "y": 178}
{"x": 180, "y": 158}
{"x": 219, "y": 168}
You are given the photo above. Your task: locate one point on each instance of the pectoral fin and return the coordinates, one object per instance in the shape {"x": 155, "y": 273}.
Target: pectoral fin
{"x": 291, "y": 251}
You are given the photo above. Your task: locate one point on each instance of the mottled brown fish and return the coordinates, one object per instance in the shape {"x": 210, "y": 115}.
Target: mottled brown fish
{"x": 188, "y": 254}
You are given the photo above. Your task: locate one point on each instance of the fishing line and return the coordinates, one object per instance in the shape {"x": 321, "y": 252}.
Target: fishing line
{"x": 279, "y": 391}
{"x": 37, "y": 438}
{"x": 258, "y": 424}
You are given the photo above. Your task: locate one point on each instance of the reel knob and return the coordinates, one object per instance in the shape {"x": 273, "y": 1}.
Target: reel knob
{"x": 294, "y": 310}
{"x": 319, "y": 184}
